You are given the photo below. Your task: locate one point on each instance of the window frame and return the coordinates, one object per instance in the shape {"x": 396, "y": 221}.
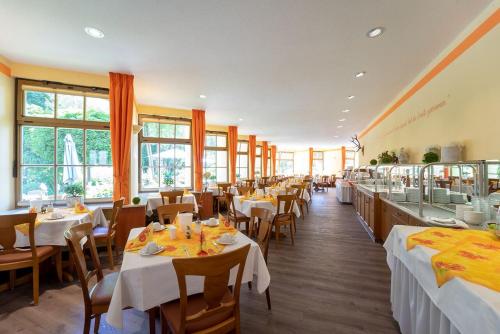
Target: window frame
{"x": 322, "y": 159}
{"x": 278, "y": 160}
{"x": 258, "y": 156}
{"x": 159, "y": 140}
{"x": 217, "y": 148}
{"x": 22, "y": 85}
{"x": 238, "y": 154}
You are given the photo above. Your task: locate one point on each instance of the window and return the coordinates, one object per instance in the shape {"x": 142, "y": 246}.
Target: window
{"x": 350, "y": 157}
{"x": 165, "y": 153}
{"x": 269, "y": 162}
{"x": 215, "y": 157}
{"x": 64, "y": 144}
{"x": 242, "y": 160}
{"x": 318, "y": 165}
{"x": 258, "y": 161}
{"x": 284, "y": 161}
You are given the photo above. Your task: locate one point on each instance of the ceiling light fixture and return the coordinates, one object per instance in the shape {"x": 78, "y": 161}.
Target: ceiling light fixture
{"x": 335, "y": 136}
{"x": 375, "y": 32}
{"x": 339, "y": 126}
{"x": 94, "y": 32}
{"x": 360, "y": 74}
{"x": 342, "y": 120}
{"x": 203, "y": 96}
{"x": 240, "y": 119}
{"x": 346, "y": 110}
{"x": 350, "y": 97}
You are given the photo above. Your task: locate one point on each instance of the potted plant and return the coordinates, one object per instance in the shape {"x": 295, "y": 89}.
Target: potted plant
{"x": 430, "y": 157}
{"x": 386, "y": 157}
{"x": 136, "y": 200}
{"x": 74, "y": 193}
{"x": 373, "y": 162}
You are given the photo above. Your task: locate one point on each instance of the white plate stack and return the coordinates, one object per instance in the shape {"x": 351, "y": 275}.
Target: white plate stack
{"x": 440, "y": 195}
{"x": 412, "y": 194}
{"x": 458, "y": 198}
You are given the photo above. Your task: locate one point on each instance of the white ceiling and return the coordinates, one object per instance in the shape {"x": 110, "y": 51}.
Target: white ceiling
{"x": 284, "y": 66}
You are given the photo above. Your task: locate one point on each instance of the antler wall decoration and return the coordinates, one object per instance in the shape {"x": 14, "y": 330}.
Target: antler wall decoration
{"x": 357, "y": 144}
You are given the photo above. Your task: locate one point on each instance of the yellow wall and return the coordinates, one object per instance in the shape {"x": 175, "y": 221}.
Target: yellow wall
{"x": 459, "y": 105}
{"x": 7, "y": 116}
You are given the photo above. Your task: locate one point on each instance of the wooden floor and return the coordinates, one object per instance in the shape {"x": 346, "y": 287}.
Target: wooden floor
{"x": 334, "y": 280}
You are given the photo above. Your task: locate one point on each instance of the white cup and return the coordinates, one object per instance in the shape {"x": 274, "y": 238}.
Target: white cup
{"x": 473, "y": 217}
{"x": 460, "y": 209}
{"x": 212, "y": 222}
{"x": 173, "y": 232}
{"x": 156, "y": 226}
{"x": 151, "y": 247}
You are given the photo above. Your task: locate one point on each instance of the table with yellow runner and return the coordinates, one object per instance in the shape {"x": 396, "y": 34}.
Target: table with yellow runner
{"x": 265, "y": 198}
{"x": 182, "y": 247}
{"x": 469, "y": 254}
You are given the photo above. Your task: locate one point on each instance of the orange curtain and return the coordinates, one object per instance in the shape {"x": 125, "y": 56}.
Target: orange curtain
{"x": 121, "y": 104}
{"x": 273, "y": 160}
{"x": 265, "y": 148}
{"x": 198, "y": 129}
{"x": 311, "y": 154}
{"x": 233, "y": 146}
{"x": 252, "y": 145}
{"x": 343, "y": 157}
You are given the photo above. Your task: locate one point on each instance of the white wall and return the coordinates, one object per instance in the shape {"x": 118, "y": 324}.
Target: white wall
{"x": 332, "y": 162}
{"x": 7, "y": 118}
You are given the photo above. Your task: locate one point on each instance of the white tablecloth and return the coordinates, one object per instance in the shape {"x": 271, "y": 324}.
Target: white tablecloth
{"x": 146, "y": 282}
{"x": 215, "y": 190}
{"x": 51, "y": 232}
{"x": 247, "y": 205}
{"x": 420, "y": 306}
{"x": 466, "y": 189}
{"x": 343, "y": 190}
{"x": 155, "y": 201}
{"x": 282, "y": 191}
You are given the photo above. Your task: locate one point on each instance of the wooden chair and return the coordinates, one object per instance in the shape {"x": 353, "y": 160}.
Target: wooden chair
{"x": 262, "y": 186}
{"x": 12, "y": 258}
{"x": 249, "y": 183}
{"x": 301, "y": 202}
{"x": 170, "y": 211}
{"x": 97, "y": 298}
{"x": 264, "y": 180}
{"x": 244, "y": 190}
{"x": 257, "y": 215}
{"x": 324, "y": 183}
{"x": 235, "y": 216}
{"x": 217, "y": 309}
{"x": 263, "y": 234}
{"x": 285, "y": 218}
{"x": 223, "y": 188}
{"x": 200, "y": 198}
{"x": 308, "y": 187}
{"x": 105, "y": 235}
{"x": 333, "y": 179}
{"x": 171, "y": 196}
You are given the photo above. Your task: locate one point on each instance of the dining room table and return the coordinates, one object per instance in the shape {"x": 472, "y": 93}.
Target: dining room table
{"x": 245, "y": 204}
{"x": 419, "y": 304}
{"x": 145, "y": 282}
{"x": 50, "y": 232}
{"x": 153, "y": 201}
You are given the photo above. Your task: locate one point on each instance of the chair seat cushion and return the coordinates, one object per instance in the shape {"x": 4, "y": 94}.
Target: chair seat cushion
{"x": 101, "y": 292}
{"x": 172, "y": 312}
{"x": 26, "y": 255}
{"x": 100, "y": 232}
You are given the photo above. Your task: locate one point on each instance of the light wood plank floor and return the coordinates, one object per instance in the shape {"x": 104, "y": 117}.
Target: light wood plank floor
{"x": 334, "y": 280}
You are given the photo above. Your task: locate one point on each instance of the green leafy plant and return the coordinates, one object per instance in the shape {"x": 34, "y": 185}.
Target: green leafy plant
{"x": 373, "y": 162}
{"x": 74, "y": 189}
{"x": 136, "y": 200}
{"x": 387, "y": 158}
{"x": 430, "y": 157}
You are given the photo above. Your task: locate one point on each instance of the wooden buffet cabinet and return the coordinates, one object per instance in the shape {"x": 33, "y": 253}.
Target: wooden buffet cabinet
{"x": 378, "y": 215}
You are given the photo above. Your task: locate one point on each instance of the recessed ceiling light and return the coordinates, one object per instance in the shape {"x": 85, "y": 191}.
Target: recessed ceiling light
{"x": 94, "y": 32}
{"x": 346, "y": 110}
{"x": 342, "y": 120}
{"x": 350, "y": 97}
{"x": 335, "y": 136}
{"x": 375, "y": 32}
{"x": 203, "y": 96}
{"x": 240, "y": 119}
{"x": 359, "y": 74}
{"x": 340, "y": 126}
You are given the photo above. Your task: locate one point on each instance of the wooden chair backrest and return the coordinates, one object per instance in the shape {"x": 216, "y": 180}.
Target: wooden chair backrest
{"x": 258, "y": 215}
{"x": 172, "y": 196}
{"x": 231, "y": 210}
{"x": 288, "y": 201}
{"x": 78, "y": 237}
{"x": 263, "y": 236}
{"x": 249, "y": 183}
{"x": 300, "y": 190}
{"x": 170, "y": 211}
{"x": 215, "y": 269}
{"x": 8, "y": 231}
{"x": 325, "y": 179}
{"x": 244, "y": 190}
{"x": 223, "y": 188}
{"x": 113, "y": 222}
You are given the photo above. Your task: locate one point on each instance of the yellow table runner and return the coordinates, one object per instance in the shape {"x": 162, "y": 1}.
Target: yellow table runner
{"x": 470, "y": 254}
{"x": 265, "y": 198}
{"x": 182, "y": 247}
